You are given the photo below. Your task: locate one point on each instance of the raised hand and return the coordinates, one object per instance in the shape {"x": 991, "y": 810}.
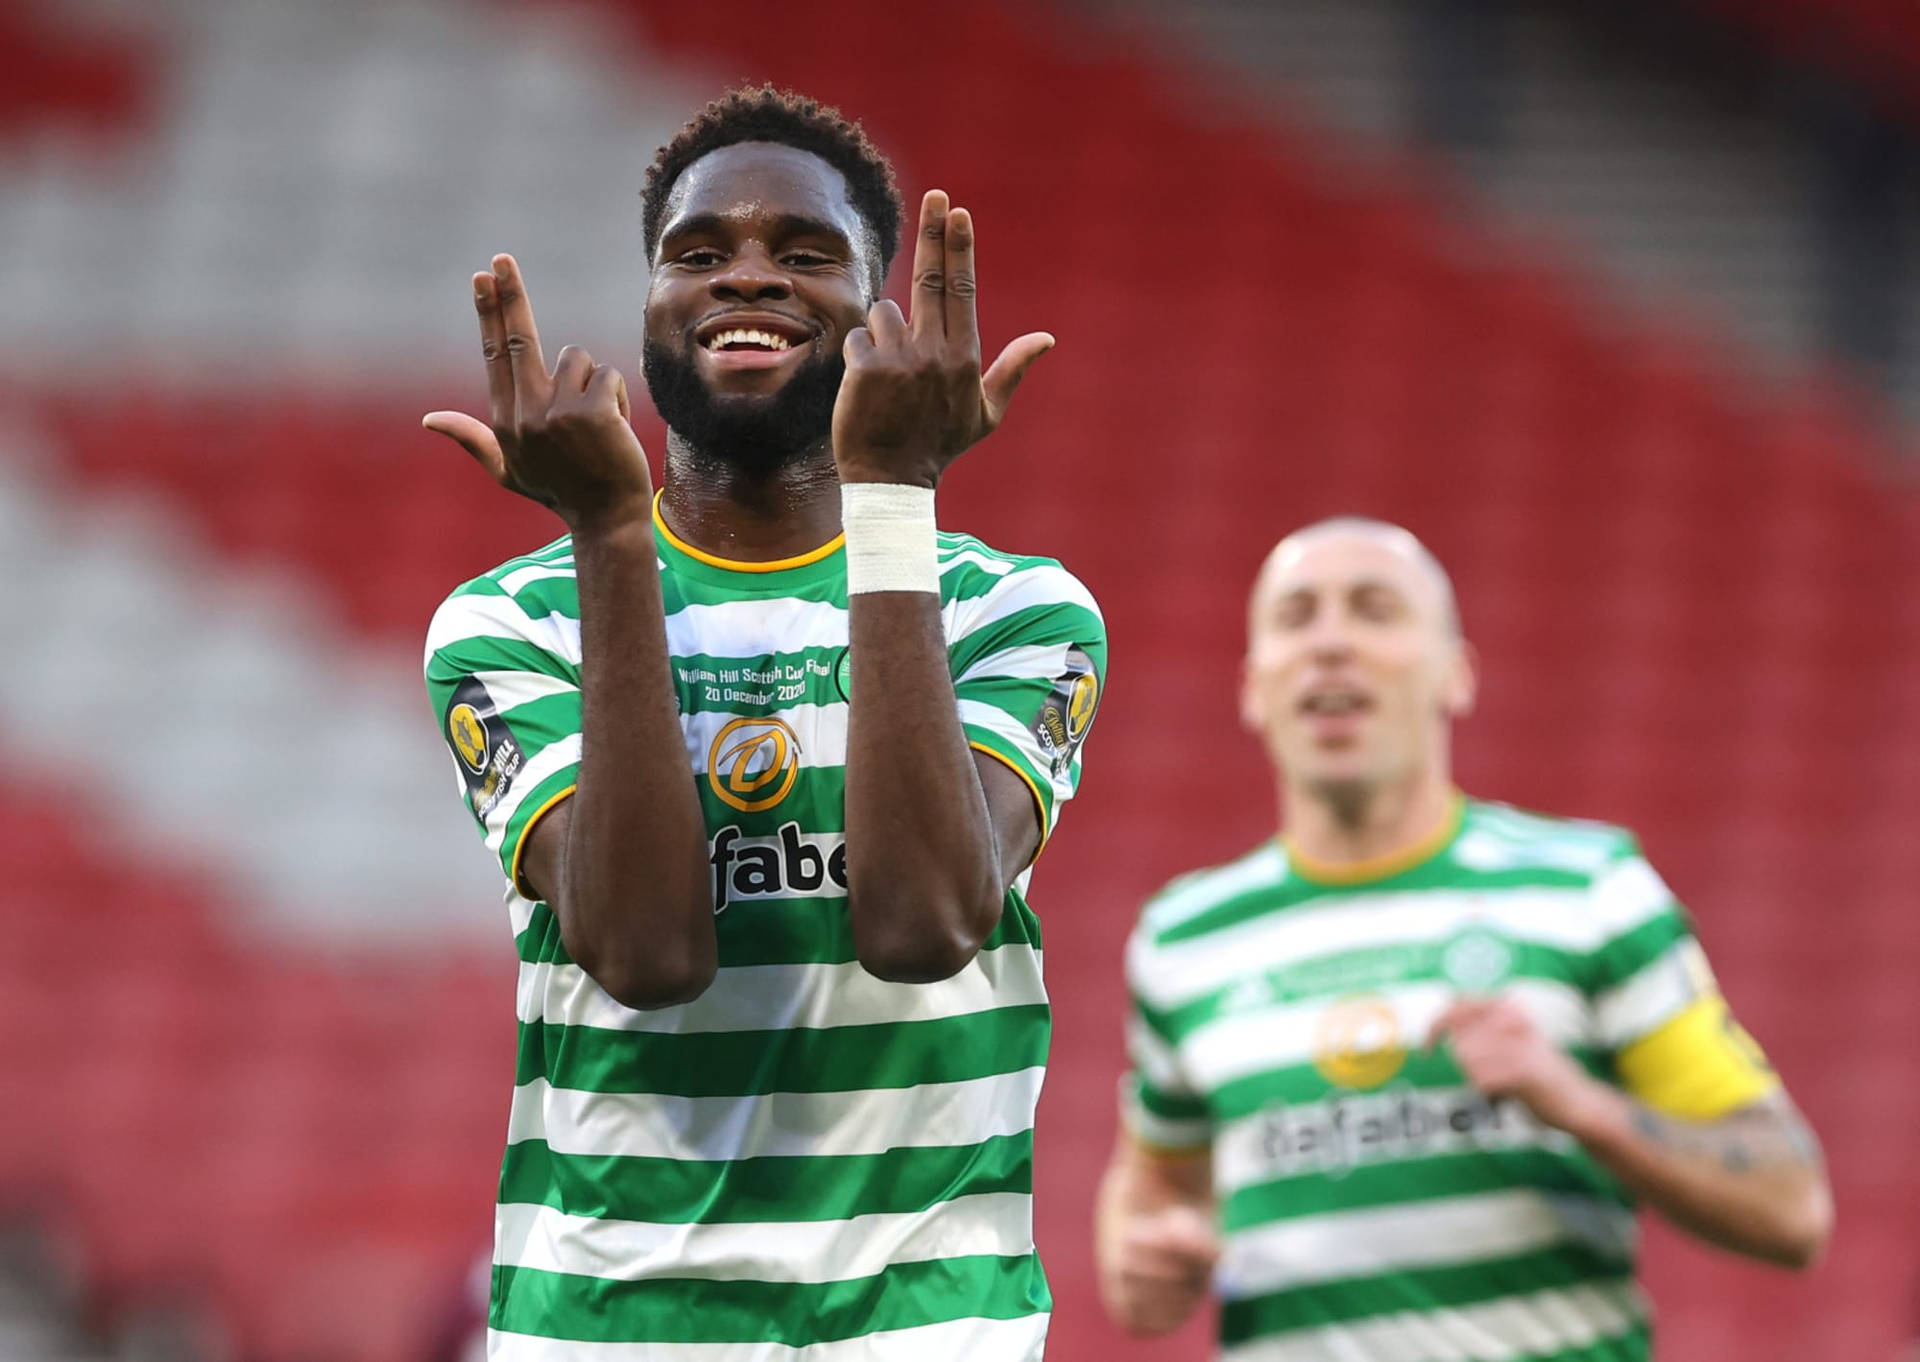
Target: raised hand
{"x": 563, "y": 439}
{"x": 1503, "y": 1053}
{"x": 1162, "y": 1267}
{"x": 914, "y": 397}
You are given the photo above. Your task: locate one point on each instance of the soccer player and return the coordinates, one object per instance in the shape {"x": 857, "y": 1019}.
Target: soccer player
{"x": 1400, "y": 1076}
{"x": 765, "y": 760}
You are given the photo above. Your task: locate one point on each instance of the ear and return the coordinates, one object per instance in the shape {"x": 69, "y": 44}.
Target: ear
{"x": 1253, "y": 708}
{"x": 1462, "y": 684}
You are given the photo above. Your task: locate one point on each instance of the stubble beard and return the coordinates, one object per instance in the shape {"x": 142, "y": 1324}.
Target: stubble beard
{"x": 754, "y": 436}
{"x": 1347, "y": 798}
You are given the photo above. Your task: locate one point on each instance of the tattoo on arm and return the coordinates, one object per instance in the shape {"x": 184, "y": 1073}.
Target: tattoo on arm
{"x": 1765, "y": 1135}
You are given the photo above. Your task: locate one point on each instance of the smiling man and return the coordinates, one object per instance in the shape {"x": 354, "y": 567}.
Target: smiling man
{"x": 1400, "y": 1075}
{"x": 765, "y": 761}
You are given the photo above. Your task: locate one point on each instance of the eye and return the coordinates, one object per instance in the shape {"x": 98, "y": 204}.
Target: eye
{"x": 806, "y": 260}
{"x": 1295, "y": 611}
{"x": 698, "y": 258}
{"x": 1379, "y": 607}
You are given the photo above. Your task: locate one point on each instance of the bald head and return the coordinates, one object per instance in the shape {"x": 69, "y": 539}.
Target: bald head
{"x": 1355, "y": 666}
{"x": 1429, "y": 579}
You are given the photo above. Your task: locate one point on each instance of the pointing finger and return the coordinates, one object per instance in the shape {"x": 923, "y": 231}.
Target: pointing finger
{"x": 493, "y": 348}
{"x": 997, "y": 385}
{"x": 531, "y": 387}
{"x": 929, "y": 266}
{"x": 963, "y": 326}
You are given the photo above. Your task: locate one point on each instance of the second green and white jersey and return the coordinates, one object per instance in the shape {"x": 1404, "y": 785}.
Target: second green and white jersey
{"x": 806, "y": 1161}
{"x": 1374, "y": 1207}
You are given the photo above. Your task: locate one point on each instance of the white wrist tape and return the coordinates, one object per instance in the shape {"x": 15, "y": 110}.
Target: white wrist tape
{"x": 892, "y": 544}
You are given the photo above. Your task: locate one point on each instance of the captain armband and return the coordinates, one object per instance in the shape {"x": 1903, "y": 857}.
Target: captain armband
{"x": 1699, "y": 1065}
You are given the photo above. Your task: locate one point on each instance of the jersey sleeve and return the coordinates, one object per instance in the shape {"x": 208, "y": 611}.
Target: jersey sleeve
{"x": 505, "y": 688}
{"x": 1029, "y": 662}
{"x": 1160, "y": 1106}
{"x": 1674, "y": 1042}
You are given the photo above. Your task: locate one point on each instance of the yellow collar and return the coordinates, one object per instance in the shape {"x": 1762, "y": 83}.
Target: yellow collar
{"x": 736, "y": 564}
{"x": 1384, "y": 866}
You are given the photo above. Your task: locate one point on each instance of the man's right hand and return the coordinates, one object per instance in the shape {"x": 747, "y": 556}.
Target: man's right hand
{"x": 562, "y": 439}
{"x": 1160, "y": 1268}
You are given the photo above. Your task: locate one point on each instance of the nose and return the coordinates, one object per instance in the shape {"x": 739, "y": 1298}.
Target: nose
{"x": 1329, "y": 638}
{"x": 749, "y": 276}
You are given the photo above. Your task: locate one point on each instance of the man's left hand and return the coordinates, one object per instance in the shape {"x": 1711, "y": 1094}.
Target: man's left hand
{"x": 1504, "y": 1054}
{"x": 914, "y": 399}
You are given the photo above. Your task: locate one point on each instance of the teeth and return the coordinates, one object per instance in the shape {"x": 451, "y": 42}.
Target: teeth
{"x": 765, "y": 340}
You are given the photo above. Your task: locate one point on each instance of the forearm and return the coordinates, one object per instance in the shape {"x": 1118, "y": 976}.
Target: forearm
{"x": 923, "y": 881}
{"x": 924, "y": 864}
{"x": 636, "y": 906}
{"x": 1751, "y": 1182}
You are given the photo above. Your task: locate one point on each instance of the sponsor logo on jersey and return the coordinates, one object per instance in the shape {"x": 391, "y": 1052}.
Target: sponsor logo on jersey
{"x": 488, "y": 754}
{"x": 1334, "y": 1136}
{"x": 1067, "y": 713}
{"x": 1357, "y": 1042}
{"x": 788, "y": 864}
{"x": 753, "y": 763}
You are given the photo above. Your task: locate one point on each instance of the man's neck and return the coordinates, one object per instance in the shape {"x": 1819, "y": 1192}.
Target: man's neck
{"x": 731, "y": 513}
{"x": 1350, "y": 828}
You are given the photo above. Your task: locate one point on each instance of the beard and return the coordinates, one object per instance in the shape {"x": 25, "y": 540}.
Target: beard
{"x": 756, "y": 436}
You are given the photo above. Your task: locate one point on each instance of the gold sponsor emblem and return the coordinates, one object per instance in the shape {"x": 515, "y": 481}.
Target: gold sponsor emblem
{"x": 1357, "y": 1043}
{"x": 469, "y": 736}
{"x": 1081, "y": 704}
{"x": 753, "y": 763}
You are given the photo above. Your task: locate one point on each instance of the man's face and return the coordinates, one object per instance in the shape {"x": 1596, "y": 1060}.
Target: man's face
{"x": 763, "y": 267}
{"x": 1353, "y": 670}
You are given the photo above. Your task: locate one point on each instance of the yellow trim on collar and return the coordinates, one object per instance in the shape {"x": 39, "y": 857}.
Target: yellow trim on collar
{"x": 735, "y": 564}
{"x": 1379, "y": 867}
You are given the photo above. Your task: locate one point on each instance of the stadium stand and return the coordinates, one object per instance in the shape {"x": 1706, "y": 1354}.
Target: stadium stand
{"x": 259, "y": 988}
{"x": 1875, "y": 41}
{"x": 1692, "y": 176}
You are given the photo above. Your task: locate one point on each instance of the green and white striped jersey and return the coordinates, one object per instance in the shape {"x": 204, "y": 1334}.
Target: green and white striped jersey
{"x": 1374, "y": 1207}
{"x": 805, "y": 1157}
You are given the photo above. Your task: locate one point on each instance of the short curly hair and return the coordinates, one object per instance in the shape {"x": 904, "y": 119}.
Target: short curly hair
{"x": 764, "y": 113}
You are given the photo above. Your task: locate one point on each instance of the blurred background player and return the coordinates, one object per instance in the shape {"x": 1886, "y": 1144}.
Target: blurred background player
{"x": 1401, "y": 1074}
{"x": 765, "y": 760}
